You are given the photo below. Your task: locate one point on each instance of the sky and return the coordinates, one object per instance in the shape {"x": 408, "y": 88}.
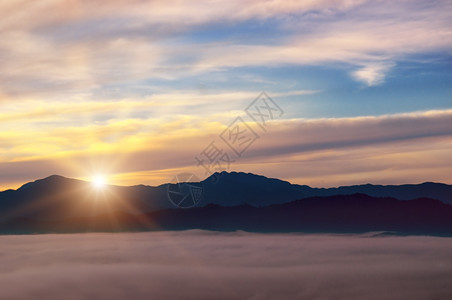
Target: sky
{"x": 356, "y": 91}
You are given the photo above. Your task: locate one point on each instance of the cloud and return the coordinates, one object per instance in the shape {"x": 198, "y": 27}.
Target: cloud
{"x": 386, "y": 149}
{"x": 110, "y": 79}
{"x": 372, "y": 74}
{"x": 65, "y": 13}
{"x": 69, "y": 49}
{"x": 316, "y": 134}
{"x": 223, "y": 266}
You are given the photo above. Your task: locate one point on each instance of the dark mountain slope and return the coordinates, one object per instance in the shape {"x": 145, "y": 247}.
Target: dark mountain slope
{"x": 56, "y": 197}
{"x": 356, "y": 213}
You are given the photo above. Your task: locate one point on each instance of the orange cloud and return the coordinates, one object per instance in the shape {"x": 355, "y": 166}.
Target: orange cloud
{"x": 386, "y": 149}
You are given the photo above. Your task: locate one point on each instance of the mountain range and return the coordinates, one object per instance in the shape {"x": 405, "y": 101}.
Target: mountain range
{"x": 231, "y": 201}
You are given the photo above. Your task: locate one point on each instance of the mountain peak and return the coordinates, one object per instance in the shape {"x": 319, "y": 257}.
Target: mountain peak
{"x": 233, "y": 175}
{"x": 50, "y": 180}
{"x": 54, "y": 177}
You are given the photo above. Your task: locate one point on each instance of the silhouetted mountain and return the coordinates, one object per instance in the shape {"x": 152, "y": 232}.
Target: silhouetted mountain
{"x": 229, "y": 189}
{"x": 356, "y": 213}
{"x": 344, "y": 213}
{"x": 57, "y": 198}
{"x": 232, "y": 189}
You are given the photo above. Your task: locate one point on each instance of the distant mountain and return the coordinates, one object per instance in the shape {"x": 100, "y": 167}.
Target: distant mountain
{"x": 356, "y": 213}
{"x": 57, "y": 198}
{"x": 229, "y": 189}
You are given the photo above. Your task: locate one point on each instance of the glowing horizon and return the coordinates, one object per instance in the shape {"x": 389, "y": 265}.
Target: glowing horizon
{"x": 137, "y": 90}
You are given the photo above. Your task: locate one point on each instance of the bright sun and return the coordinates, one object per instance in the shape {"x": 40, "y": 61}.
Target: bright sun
{"x": 99, "y": 181}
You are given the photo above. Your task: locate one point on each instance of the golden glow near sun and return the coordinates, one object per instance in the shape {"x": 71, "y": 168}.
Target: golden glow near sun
{"x": 99, "y": 182}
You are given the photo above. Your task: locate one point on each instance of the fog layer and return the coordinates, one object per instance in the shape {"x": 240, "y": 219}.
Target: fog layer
{"x": 208, "y": 265}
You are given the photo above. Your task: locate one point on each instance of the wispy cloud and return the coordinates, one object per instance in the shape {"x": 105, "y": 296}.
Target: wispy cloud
{"x": 96, "y": 78}
{"x": 321, "y": 148}
{"x": 372, "y": 74}
{"x": 67, "y": 49}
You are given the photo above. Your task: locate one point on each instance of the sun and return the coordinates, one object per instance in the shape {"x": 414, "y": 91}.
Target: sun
{"x": 99, "y": 182}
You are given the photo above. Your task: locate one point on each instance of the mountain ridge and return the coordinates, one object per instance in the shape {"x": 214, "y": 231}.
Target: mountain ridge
{"x": 357, "y": 213}
{"x": 291, "y": 191}
{"x": 58, "y": 197}
{"x": 55, "y": 177}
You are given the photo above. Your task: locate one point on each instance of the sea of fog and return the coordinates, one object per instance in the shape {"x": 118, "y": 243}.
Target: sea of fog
{"x": 209, "y": 265}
